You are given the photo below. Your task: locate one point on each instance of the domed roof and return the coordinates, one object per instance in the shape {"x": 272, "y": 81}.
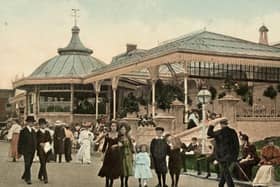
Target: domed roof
{"x": 74, "y": 60}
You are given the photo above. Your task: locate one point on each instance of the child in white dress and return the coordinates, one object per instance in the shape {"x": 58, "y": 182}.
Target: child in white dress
{"x": 142, "y": 166}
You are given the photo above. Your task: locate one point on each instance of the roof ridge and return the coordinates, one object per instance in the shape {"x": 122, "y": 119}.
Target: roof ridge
{"x": 241, "y": 40}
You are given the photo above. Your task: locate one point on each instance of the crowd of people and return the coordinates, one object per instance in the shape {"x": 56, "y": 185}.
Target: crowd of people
{"x": 123, "y": 158}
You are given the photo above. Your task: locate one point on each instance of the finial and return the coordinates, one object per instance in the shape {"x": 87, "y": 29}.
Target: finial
{"x": 75, "y": 15}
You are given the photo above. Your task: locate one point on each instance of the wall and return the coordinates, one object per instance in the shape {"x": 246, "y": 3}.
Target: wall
{"x": 258, "y": 130}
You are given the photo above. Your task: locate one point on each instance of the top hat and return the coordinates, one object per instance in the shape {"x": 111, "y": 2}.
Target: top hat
{"x": 30, "y": 119}
{"x": 42, "y": 121}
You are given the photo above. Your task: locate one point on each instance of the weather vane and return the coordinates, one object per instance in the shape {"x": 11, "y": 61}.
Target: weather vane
{"x": 75, "y": 15}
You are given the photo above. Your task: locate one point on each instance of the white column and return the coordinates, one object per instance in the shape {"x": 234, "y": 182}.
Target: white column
{"x": 71, "y": 103}
{"x": 96, "y": 105}
{"x": 115, "y": 81}
{"x": 97, "y": 87}
{"x": 203, "y": 128}
{"x": 154, "y": 75}
{"x": 186, "y": 92}
{"x": 153, "y": 97}
{"x": 114, "y": 103}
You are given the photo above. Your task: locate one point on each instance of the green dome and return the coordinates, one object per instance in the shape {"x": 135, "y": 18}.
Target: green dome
{"x": 74, "y": 60}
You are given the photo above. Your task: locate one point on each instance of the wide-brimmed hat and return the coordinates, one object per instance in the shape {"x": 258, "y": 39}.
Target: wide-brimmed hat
{"x": 42, "y": 121}
{"x": 58, "y": 123}
{"x": 30, "y": 119}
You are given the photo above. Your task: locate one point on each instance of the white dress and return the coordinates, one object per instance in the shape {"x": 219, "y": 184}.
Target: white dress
{"x": 142, "y": 166}
{"x": 85, "y": 140}
{"x": 265, "y": 177}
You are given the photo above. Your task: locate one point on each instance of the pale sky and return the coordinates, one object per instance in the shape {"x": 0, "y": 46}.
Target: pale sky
{"x": 32, "y": 30}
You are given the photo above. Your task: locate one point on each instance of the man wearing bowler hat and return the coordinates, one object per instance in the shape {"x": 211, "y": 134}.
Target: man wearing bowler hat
{"x": 27, "y": 146}
{"x": 227, "y": 149}
{"x": 44, "y": 141}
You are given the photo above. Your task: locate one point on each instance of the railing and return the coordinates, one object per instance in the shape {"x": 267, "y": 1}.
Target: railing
{"x": 59, "y": 106}
{"x": 258, "y": 113}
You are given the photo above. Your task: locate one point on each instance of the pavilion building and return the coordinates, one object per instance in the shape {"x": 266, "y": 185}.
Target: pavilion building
{"x": 64, "y": 86}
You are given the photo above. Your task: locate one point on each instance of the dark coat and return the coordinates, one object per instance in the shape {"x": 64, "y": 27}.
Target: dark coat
{"x": 27, "y": 143}
{"x": 42, "y": 138}
{"x": 159, "y": 151}
{"x": 59, "y": 136}
{"x": 227, "y": 144}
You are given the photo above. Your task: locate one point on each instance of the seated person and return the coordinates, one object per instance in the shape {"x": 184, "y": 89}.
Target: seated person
{"x": 193, "y": 120}
{"x": 210, "y": 158}
{"x": 270, "y": 156}
{"x": 194, "y": 147}
{"x": 249, "y": 159}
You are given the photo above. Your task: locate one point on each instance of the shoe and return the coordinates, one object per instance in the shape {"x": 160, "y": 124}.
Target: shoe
{"x": 14, "y": 160}
{"x": 158, "y": 185}
{"x": 40, "y": 178}
{"x": 165, "y": 185}
{"x": 145, "y": 185}
{"x": 208, "y": 175}
{"x": 198, "y": 173}
{"x": 46, "y": 181}
{"x": 28, "y": 182}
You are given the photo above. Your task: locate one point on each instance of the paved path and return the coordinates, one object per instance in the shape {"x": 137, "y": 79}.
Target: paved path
{"x": 72, "y": 174}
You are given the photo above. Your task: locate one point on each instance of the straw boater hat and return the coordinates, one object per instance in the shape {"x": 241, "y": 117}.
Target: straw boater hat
{"x": 58, "y": 123}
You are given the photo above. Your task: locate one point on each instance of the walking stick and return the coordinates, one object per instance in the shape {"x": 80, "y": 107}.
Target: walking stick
{"x": 243, "y": 172}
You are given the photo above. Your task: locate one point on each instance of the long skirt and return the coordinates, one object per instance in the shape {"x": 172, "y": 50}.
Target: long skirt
{"x": 83, "y": 154}
{"x": 14, "y": 146}
{"x": 112, "y": 164}
{"x": 265, "y": 177}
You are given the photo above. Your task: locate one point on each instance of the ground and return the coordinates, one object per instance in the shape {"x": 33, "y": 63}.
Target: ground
{"x": 72, "y": 174}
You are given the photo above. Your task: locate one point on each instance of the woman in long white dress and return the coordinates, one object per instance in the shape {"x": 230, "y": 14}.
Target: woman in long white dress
{"x": 85, "y": 140}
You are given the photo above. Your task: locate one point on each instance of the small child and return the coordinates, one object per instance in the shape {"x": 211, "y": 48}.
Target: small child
{"x": 142, "y": 165}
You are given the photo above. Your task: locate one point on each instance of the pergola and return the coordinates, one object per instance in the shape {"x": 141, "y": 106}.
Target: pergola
{"x": 202, "y": 54}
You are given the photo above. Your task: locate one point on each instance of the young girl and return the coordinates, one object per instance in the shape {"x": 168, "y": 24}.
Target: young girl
{"x": 142, "y": 166}
{"x": 175, "y": 159}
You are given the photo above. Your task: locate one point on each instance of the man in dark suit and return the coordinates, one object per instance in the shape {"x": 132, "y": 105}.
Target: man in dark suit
{"x": 27, "y": 146}
{"x": 159, "y": 150}
{"x": 59, "y": 137}
{"x": 227, "y": 149}
{"x": 43, "y": 149}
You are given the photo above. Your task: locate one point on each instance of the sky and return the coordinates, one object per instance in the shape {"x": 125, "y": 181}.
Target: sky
{"x": 32, "y": 30}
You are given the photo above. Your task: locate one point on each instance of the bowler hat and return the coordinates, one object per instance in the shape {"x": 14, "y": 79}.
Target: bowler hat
{"x": 159, "y": 129}
{"x": 42, "y": 121}
{"x": 30, "y": 119}
{"x": 224, "y": 122}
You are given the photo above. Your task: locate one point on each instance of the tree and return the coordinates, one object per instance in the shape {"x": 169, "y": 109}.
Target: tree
{"x": 245, "y": 92}
{"x": 271, "y": 93}
{"x": 130, "y": 104}
{"x": 166, "y": 93}
{"x": 213, "y": 92}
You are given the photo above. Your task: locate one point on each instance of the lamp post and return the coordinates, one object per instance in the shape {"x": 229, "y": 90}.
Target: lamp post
{"x": 204, "y": 97}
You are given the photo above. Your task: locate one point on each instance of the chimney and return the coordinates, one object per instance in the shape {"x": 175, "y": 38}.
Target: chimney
{"x": 130, "y": 47}
{"x": 263, "y": 35}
